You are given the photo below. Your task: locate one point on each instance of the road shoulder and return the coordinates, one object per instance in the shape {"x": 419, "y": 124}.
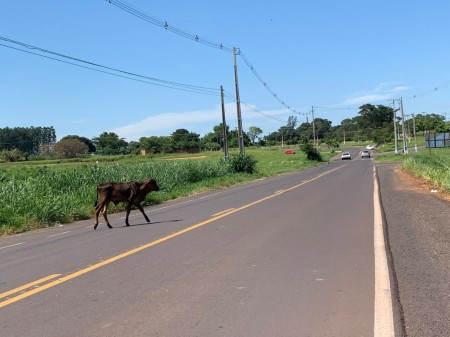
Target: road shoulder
{"x": 418, "y": 234}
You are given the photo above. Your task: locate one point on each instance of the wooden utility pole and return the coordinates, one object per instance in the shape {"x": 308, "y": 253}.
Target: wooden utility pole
{"x": 238, "y": 107}
{"x": 405, "y": 147}
{"x": 415, "y": 138}
{"x": 314, "y": 126}
{"x": 224, "y": 126}
{"x": 395, "y": 127}
{"x": 343, "y": 129}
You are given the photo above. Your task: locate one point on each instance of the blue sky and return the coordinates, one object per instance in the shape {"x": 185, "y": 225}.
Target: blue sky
{"x": 333, "y": 55}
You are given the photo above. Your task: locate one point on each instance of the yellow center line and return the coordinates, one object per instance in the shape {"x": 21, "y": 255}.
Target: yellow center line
{"x": 28, "y": 285}
{"x": 153, "y": 243}
{"x": 225, "y": 211}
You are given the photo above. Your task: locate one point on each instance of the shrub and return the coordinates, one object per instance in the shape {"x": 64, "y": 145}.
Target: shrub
{"x": 311, "y": 152}
{"x": 242, "y": 163}
{"x": 11, "y": 155}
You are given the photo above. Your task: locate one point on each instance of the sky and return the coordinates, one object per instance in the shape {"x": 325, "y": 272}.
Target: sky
{"x": 86, "y": 67}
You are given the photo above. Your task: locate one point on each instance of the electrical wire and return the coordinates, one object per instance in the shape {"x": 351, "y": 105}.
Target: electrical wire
{"x": 126, "y": 74}
{"x": 441, "y": 86}
{"x": 164, "y": 24}
{"x": 233, "y": 99}
{"x": 264, "y": 83}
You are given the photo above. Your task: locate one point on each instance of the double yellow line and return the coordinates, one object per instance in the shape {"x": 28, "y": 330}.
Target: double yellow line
{"x": 39, "y": 288}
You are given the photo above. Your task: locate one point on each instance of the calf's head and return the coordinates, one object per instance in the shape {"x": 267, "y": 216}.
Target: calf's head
{"x": 149, "y": 185}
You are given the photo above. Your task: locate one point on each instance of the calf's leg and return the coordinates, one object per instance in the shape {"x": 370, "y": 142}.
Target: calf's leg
{"x": 142, "y": 211}
{"x": 98, "y": 208}
{"x": 128, "y": 209}
{"x": 105, "y": 209}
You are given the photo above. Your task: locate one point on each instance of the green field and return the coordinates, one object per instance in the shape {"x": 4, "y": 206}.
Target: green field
{"x": 44, "y": 193}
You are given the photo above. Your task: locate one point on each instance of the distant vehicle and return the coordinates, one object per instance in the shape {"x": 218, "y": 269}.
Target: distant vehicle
{"x": 365, "y": 154}
{"x": 370, "y": 147}
{"x": 289, "y": 152}
{"x": 346, "y": 156}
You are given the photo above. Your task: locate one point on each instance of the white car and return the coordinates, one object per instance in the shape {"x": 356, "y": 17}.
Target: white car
{"x": 346, "y": 156}
{"x": 365, "y": 154}
{"x": 370, "y": 147}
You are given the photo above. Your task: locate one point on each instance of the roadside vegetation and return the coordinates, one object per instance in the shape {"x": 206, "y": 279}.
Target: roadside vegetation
{"x": 433, "y": 167}
{"x": 36, "y": 196}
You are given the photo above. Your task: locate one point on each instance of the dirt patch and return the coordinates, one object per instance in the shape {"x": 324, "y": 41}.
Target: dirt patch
{"x": 412, "y": 182}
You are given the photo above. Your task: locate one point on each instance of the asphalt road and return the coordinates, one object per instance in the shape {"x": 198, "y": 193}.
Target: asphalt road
{"x": 287, "y": 256}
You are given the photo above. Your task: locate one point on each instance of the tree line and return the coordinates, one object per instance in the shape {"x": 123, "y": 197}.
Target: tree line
{"x": 373, "y": 123}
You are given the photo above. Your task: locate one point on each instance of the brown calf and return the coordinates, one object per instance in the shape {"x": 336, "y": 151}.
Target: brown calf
{"x": 131, "y": 193}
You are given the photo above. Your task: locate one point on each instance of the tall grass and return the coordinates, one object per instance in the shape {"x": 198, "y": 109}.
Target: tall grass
{"x": 432, "y": 168}
{"x": 31, "y": 198}
{"x": 34, "y": 196}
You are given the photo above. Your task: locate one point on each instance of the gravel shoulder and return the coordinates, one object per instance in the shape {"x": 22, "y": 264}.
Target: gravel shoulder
{"x": 418, "y": 234}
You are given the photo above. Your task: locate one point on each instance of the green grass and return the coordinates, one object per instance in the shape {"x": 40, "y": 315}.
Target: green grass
{"x": 432, "y": 168}
{"x": 37, "y": 195}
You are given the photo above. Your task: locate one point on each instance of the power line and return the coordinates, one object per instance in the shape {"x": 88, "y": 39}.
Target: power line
{"x": 195, "y": 37}
{"x": 264, "y": 83}
{"x": 436, "y": 88}
{"x": 164, "y": 24}
{"x": 91, "y": 65}
{"x": 233, "y": 98}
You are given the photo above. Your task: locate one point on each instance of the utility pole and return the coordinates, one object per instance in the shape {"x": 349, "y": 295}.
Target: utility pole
{"x": 395, "y": 126}
{"x": 414, "y": 127}
{"x": 405, "y": 148}
{"x": 314, "y": 126}
{"x": 343, "y": 129}
{"x": 224, "y": 126}
{"x": 238, "y": 106}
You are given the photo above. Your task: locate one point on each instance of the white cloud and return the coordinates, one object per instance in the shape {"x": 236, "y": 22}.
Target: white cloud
{"x": 367, "y": 98}
{"x": 201, "y": 121}
{"x": 382, "y": 92}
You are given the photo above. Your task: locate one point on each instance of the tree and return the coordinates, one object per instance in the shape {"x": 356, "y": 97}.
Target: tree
{"x": 30, "y": 141}
{"x": 211, "y": 142}
{"x": 88, "y": 142}
{"x": 156, "y": 144}
{"x": 323, "y": 127}
{"x": 134, "y": 147}
{"x": 185, "y": 140}
{"x": 430, "y": 122}
{"x": 272, "y": 138}
{"x": 305, "y": 131}
{"x": 292, "y": 122}
{"x": 233, "y": 138}
{"x": 70, "y": 148}
{"x": 375, "y": 117}
{"x": 253, "y": 133}
{"x": 109, "y": 143}
{"x": 288, "y": 133}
